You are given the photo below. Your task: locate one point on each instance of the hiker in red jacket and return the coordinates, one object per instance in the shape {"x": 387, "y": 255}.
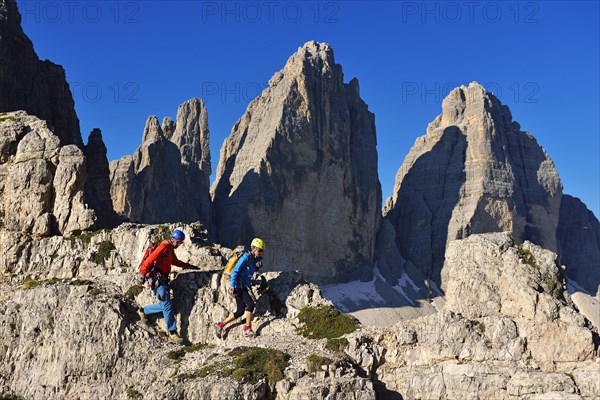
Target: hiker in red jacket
{"x": 155, "y": 269}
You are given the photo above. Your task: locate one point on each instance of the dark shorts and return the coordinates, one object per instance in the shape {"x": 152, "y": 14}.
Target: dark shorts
{"x": 243, "y": 302}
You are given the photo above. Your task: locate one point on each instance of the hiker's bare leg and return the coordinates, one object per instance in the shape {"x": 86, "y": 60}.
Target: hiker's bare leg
{"x": 248, "y": 318}
{"x": 228, "y": 319}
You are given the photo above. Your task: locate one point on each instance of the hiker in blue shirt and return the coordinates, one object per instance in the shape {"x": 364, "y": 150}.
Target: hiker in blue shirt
{"x": 239, "y": 287}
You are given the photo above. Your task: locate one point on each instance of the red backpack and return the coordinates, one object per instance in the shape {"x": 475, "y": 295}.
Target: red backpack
{"x": 149, "y": 250}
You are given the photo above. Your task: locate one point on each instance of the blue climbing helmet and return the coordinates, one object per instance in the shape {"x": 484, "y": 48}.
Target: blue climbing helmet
{"x": 178, "y": 235}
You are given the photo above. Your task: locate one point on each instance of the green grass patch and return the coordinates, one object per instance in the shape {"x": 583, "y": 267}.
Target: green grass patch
{"x": 221, "y": 369}
{"x": 207, "y": 370}
{"x": 250, "y": 364}
{"x": 103, "y": 252}
{"x": 553, "y": 287}
{"x": 30, "y": 283}
{"x": 314, "y": 362}
{"x": 480, "y": 326}
{"x": 133, "y": 394}
{"x": 336, "y": 344}
{"x": 527, "y": 257}
{"x": 164, "y": 232}
{"x": 8, "y": 396}
{"x": 53, "y": 256}
{"x": 86, "y": 236}
{"x": 134, "y": 291}
{"x": 3, "y": 118}
{"x": 325, "y": 322}
{"x": 179, "y": 353}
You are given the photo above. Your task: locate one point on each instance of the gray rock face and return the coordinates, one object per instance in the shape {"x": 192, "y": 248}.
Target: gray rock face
{"x": 167, "y": 180}
{"x": 504, "y": 333}
{"x": 97, "y": 184}
{"x": 51, "y": 330}
{"x": 191, "y": 135}
{"x": 26, "y": 83}
{"x": 41, "y": 183}
{"x": 578, "y": 236}
{"x": 508, "y": 330}
{"x": 121, "y": 177}
{"x": 300, "y": 171}
{"x": 490, "y": 277}
{"x": 71, "y": 213}
{"x": 168, "y": 127}
{"x": 474, "y": 171}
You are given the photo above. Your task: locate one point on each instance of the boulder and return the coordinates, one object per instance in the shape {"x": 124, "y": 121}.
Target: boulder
{"x": 41, "y": 183}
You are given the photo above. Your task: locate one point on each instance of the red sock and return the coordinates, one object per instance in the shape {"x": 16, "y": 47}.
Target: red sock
{"x": 221, "y": 324}
{"x": 248, "y": 328}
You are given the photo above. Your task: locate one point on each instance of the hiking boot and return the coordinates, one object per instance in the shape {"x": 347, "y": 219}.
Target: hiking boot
{"x": 219, "y": 330}
{"x": 175, "y": 338}
{"x": 143, "y": 318}
{"x": 249, "y": 332}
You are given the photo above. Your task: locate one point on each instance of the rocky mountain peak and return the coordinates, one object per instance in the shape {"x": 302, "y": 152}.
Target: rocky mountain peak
{"x": 191, "y": 134}
{"x": 152, "y": 130}
{"x": 97, "y": 183}
{"x": 474, "y": 171}
{"x": 312, "y": 54}
{"x": 164, "y": 181}
{"x": 464, "y": 104}
{"x": 27, "y": 83}
{"x": 314, "y": 61}
{"x": 306, "y": 143}
{"x": 168, "y": 127}
{"x": 9, "y": 12}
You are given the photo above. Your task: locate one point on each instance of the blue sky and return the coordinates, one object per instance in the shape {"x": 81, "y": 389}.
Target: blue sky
{"x": 127, "y": 60}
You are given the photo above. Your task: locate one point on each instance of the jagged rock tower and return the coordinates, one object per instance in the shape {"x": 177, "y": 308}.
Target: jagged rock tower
{"x": 43, "y": 170}
{"x": 27, "y": 83}
{"x": 474, "y": 171}
{"x": 167, "y": 179}
{"x": 300, "y": 170}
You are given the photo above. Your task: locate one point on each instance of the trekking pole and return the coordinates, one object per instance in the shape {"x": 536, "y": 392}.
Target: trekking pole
{"x": 252, "y": 296}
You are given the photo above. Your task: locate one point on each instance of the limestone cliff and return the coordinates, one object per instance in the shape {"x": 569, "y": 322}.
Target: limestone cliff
{"x": 578, "y": 236}
{"x": 68, "y": 328}
{"x": 41, "y": 183}
{"x": 299, "y": 170}
{"x": 97, "y": 184}
{"x": 27, "y": 83}
{"x": 474, "y": 171}
{"x": 167, "y": 178}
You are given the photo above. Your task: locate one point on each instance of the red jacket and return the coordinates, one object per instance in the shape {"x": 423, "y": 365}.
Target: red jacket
{"x": 164, "y": 255}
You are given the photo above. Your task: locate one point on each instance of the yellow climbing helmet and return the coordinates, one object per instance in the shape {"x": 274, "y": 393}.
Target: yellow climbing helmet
{"x": 258, "y": 243}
